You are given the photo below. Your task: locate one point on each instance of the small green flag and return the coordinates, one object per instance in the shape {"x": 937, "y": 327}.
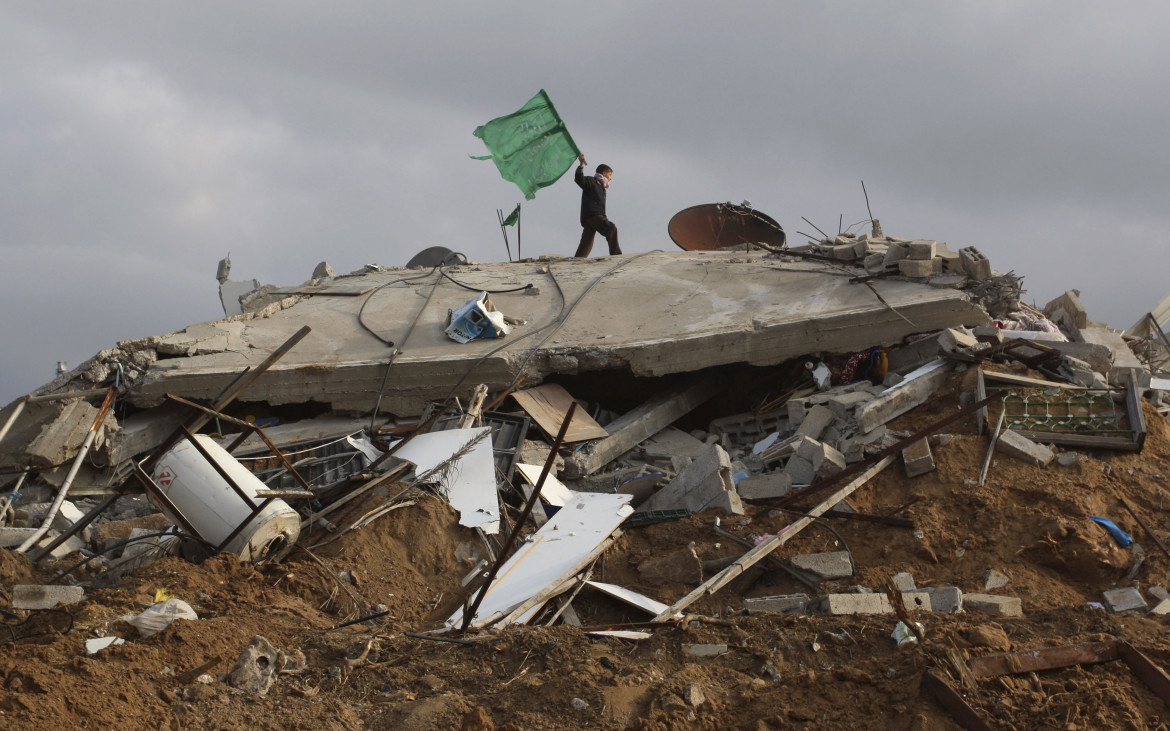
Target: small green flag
{"x": 531, "y": 147}
{"x": 513, "y": 217}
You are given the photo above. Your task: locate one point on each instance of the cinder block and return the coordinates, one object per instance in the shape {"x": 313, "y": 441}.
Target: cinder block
{"x": 917, "y": 458}
{"x": 780, "y": 604}
{"x": 905, "y": 581}
{"x": 916, "y": 267}
{"x": 797, "y": 410}
{"x": 896, "y": 253}
{"x": 946, "y": 599}
{"x": 800, "y": 470}
{"x": 919, "y": 600}
{"x": 844, "y": 404}
{"x": 1068, "y": 313}
{"x": 952, "y": 263}
{"x": 975, "y": 264}
{"x": 995, "y": 605}
{"x": 850, "y": 604}
{"x": 843, "y": 252}
{"x": 1023, "y": 449}
{"x": 1127, "y": 599}
{"x": 28, "y": 596}
{"x": 815, "y": 421}
{"x": 834, "y": 565}
{"x": 922, "y": 250}
{"x": 762, "y": 487}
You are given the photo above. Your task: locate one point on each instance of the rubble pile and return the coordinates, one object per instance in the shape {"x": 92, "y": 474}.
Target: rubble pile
{"x": 858, "y": 481}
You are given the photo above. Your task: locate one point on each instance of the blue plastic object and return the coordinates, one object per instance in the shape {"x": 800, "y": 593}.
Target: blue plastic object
{"x": 1123, "y": 539}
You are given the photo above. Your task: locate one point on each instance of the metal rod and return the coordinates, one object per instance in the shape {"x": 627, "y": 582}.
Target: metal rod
{"x": 1145, "y": 527}
{"x": 219, "y": 468}
{"x": 505, "y": 551}
{"x": 229, "y": 394}
{"x": 90, "y": 436}
{"x": 178, "y": 515}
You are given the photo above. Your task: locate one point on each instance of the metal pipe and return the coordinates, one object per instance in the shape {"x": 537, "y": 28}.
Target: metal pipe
{"x": 90, "y": 436}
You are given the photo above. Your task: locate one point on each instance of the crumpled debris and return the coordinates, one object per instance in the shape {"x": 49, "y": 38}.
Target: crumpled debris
{"x": 158, "y": 617}
{"x": 477, "y": 318}
{"x": 903, "y": 634}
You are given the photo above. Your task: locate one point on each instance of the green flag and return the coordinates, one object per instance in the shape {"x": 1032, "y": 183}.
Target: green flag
{"x": 513, "y": 217}
{"x": 531, "y": 147}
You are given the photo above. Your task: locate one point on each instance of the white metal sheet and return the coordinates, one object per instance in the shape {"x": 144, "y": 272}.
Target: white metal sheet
{"x": 470, "y": 483}
{"x": 549, "y": 553}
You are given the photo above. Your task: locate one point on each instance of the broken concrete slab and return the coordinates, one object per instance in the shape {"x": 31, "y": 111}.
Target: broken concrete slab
{"x": 60, "y": 440}
{"x": 28, "y": 596}
{"x": 799, "y": 470}
{"x": 672, "y": 442}
{"x": 1126, "y": 599}
{"x": 733, "y": 317}
{"x": 1125, "y": 364}
{"x": 832, "y": 565}
{"x": 1161, "y": 608}
{"x": 919, "y": 385}
{"x": 904, "y": 580}
{"x": 1024, "y": 449}
{"x": 994, "y": 604}
{"x": 704, "y": 483}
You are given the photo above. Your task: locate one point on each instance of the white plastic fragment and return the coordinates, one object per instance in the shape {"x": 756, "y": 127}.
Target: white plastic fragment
{"x": 157, "y": 618}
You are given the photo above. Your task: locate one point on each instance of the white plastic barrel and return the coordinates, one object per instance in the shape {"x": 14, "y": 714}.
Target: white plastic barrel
{"x": 215, "y": 509}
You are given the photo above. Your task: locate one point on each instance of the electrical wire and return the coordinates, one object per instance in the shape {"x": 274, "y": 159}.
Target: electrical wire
{"x": 556, "y": 323}
{"x": 12, "y": 628}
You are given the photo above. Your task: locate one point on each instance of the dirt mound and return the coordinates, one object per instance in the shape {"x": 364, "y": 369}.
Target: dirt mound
{"x": 755, "y": 672}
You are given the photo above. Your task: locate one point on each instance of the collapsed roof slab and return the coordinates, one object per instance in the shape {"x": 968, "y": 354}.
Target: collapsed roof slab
{"x": 653, "y": 314}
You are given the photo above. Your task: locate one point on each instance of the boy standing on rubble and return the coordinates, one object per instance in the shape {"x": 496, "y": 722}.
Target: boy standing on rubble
{"x": 593, "y": 220}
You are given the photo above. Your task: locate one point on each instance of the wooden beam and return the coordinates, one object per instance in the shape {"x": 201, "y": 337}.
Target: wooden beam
{"x": 749, "y": 559}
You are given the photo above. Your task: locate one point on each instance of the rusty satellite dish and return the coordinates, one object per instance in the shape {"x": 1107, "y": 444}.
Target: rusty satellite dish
{"x": 713, "y": 226}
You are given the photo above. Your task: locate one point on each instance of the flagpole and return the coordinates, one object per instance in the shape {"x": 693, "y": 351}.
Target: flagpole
{"x": 504, "y": 231}
{"x": 519, "y": 215}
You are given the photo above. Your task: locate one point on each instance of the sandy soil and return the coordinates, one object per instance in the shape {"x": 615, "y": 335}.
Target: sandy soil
{"x": 778, "y": 671}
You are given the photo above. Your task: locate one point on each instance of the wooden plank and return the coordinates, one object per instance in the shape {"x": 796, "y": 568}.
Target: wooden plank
{"x": 960, "y": 710}
{"x": 1029, "y": 382}
{"x": 749, "y": 559}
{"x": 630, "y": 429}
{"x": 1050, "y": 658}
{"x": 548, "y": 404}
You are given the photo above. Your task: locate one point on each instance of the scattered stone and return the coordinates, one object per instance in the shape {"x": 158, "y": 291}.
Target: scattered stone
{"x": 989, "y": 635}
{"x": 800, "y": 470}
{"x": 579, "y": 705}
{"x": 995, "y": 605}
{"x": 694, "y": 695}
{"x": 28, "y": 596}
{"x": 682, "y": 566}
{"x": 1158, "y": 592}
{"x": 1127, "y": 599}
{"x": 834, "y": 565}
{"x": 324, "y": 271}
{"x": 704, "y": 650}
{"x": 1068, "y": 459}
{"x": 255, "y": 669}
{"x": 994, "y": 580}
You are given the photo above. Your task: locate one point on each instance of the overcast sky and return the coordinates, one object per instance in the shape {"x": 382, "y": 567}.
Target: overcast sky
{"x": 141, "y": 142}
